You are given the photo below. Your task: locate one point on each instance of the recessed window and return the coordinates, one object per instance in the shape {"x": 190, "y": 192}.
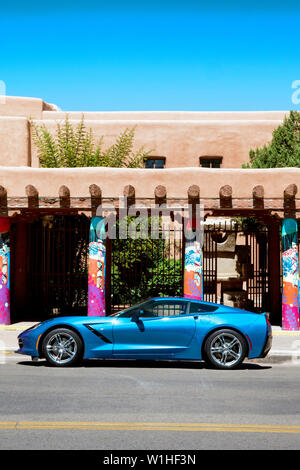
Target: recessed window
{"x": 155, "y": 162}
{"x": 210, "y": 162}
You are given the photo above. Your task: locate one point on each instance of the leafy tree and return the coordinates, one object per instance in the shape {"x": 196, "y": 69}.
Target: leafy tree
{"x": 141, "y": 268}
{"x": 72, "y": 146}
{"x": 283, "y": 150}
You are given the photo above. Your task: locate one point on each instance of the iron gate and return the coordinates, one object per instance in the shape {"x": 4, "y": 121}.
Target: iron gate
{"x": 57, "y": 265}
{"x": 251, "y": 259}
{"x": 257, "y": 283}
{"x": 210, "y": 266}
{"x": 57, "y": 251}
{"x": 147, "y": 267}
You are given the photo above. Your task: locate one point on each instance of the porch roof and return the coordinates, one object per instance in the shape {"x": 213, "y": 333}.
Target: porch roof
{"x": 214, "y": 188}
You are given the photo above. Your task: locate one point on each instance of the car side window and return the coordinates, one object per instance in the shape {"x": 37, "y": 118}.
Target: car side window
{"x": 169, "y": 308}
{"x": 197, "y": 307}
{"x": 164, "y": 308}
{"x": 147, "y": 310}
{"x": 145, "y": 307}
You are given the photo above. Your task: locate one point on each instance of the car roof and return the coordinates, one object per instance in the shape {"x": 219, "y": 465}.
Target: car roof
{"x": 185, "y": 299}
{"x": 213, "y": 304}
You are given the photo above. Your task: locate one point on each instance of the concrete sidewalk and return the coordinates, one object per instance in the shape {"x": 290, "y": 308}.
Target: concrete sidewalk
{"x": 285, "y": 347}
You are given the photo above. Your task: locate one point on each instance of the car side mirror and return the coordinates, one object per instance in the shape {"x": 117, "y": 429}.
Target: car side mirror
{"x": 135, "y": 317}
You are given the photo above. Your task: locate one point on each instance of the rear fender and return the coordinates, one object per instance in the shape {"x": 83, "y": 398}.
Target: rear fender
{"x": 222, "y": 328}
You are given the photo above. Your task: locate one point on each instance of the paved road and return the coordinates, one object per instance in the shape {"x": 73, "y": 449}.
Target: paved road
{"x": 130, "y": 405}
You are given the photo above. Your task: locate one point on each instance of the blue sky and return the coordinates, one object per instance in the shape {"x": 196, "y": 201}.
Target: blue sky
{"x": 161, "y": 55}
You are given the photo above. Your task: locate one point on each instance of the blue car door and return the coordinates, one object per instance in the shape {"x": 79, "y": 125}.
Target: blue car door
{"x": 162, "y": 328}
{"x": 98, "y": 337}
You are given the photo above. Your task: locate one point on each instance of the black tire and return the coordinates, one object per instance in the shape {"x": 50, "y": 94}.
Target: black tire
{"x": 62, "y": 347}
{"x": 225, "y": 349}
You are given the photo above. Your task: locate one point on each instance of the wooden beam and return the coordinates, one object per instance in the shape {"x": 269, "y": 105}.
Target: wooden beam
{"x": 225, "y": 195}
{"x": 160, "y": 194}
{"x": 64, "y": 197}
{"x": 258, "y": 197}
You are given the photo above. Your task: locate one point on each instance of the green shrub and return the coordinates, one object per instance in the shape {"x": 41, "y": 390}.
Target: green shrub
{"x": 283, "y": 150}
{"x": 70, "y": 147}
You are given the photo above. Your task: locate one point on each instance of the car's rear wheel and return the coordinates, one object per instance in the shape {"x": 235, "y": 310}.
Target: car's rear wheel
{"x": 225, "y": 349}
{"x": 62, "y": 347}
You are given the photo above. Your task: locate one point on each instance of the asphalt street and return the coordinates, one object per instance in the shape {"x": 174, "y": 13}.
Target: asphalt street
{"x": 148, "y": 405}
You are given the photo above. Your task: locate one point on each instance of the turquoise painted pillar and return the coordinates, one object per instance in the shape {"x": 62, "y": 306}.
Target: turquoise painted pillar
{"x": 290, "y": 268}
{"x": 96, "y": 267}
{"x": 4, "y": 271}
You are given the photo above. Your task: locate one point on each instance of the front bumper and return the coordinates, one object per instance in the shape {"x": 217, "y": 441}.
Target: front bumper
{"x": 27, "y": 344}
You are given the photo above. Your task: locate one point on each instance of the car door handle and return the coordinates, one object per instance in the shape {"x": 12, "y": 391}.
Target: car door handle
{"x": 196, "y": 317}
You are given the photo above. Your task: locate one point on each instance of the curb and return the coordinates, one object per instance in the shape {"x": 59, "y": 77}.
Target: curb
{"x": 285, "y": 333}
{"x": 13, "y": 328}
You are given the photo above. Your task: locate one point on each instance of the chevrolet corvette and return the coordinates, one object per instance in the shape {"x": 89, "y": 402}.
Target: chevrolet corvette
{"x": 161, "y": 328}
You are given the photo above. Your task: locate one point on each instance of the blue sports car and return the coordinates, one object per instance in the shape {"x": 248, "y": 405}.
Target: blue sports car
{"x": 159, "y": 328}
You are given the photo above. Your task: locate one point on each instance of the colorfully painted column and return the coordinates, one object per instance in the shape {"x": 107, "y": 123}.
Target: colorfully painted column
{"x": 96, "y": 266}
{"x": 4, "y": 271}
{"x": 193, "y": 274}
{"x": 290, "y": 268}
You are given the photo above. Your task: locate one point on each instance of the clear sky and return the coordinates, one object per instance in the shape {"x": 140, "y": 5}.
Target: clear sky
{"x": 158, "y": 55}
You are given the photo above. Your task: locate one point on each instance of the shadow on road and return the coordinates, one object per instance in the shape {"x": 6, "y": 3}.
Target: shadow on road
{"x": 138, "y": 364}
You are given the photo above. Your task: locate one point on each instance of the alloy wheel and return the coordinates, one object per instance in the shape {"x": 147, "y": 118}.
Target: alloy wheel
{"x": 61, "y": 348}
{"x": 226, "y": 349}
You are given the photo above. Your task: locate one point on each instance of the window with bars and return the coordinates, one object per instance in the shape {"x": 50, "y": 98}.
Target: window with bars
{"x": 155, "y": 162}
{"x": 210, "y": 162}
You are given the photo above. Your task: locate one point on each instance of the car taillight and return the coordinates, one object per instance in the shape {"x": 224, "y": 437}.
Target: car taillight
{"x": 267, "y": 315}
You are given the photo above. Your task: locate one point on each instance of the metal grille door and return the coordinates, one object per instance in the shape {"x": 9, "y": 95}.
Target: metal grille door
{"x": 143, "y": 268}
{"x": 257, "y": 275}
{"x": 57, "y": 265}
{"x": 210, "y": 265}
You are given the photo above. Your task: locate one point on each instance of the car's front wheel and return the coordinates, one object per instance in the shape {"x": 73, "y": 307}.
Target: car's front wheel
{"x": 62, "y": 347}
{"x": 225, "y": 349}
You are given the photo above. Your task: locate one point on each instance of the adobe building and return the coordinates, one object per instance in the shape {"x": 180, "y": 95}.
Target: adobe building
{"x": 180, "y": 139}
{"x": 196, "y": 158}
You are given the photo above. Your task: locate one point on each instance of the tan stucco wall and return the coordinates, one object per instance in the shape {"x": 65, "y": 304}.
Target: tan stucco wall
{"x": 181, "y": 137}
{"x": 23, "y": 106}
{"x": 14, "y": 141}
{"x": 168, "y": 115}
{"x": 177, "y": 181}
{"x": 182, "y": 142}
